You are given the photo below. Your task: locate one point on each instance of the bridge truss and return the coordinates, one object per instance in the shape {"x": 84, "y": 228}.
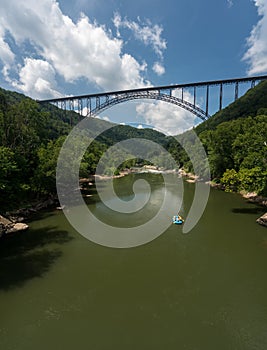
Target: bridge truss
{"x": 93, "y": 104}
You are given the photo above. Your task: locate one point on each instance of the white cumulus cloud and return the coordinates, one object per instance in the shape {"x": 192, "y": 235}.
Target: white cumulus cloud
{"x": 73, "y": 50}
{"x": 6, "y": 54}
{"x": 256, "y": 55}
{"x": 158, "y": 68}
{"x": 166, "y": 117}
{"x": 37, "y": 78}
{"x": 106, "y": 118}
{"x": 150, "y": 35}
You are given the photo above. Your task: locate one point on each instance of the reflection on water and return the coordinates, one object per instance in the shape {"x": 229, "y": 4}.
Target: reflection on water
{"x": 143, "y": 207}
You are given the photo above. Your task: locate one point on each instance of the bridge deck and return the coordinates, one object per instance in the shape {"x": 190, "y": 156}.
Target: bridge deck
{"x": 166, "y": 87}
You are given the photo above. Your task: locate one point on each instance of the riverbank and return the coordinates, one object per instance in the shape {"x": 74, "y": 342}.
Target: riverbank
{"x": 251, "y": 197}
{"x": 89, "y": 181}
{"x": 7, "y": 226}
{"x": 13, "y": 221}
{"x": 259, "y": 200}
{"x": 191, "y": 178}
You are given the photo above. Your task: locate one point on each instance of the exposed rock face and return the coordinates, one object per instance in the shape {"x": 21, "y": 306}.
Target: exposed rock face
{"x": 4, "y": 221}
{"x": 263, "y": 220}
{"x": 13, "y": 221}
{"x": 19, "y": 226}
{"x": 7, "y": 226}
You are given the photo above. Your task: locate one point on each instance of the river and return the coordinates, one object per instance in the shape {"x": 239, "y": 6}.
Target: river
{"x": 203, "y": 290}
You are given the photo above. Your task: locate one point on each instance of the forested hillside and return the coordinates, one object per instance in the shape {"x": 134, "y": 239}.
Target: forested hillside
{"x": 235, "y": 140}
{"x": 31, "y": 136}
{"x": 25, "y": 130}
{"x": 253, "y": 103}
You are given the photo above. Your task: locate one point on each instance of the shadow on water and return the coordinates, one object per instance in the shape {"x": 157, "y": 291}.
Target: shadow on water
{"x": 28, "y": 255}
{"x": 254, "y": 210}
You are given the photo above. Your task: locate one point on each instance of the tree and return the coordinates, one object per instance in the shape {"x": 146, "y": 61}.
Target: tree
{"x": 252, "y": 180}
{"x": 9, "y": 186}
{"x": 44, "y": 178}
{"x": 230, "y": 180}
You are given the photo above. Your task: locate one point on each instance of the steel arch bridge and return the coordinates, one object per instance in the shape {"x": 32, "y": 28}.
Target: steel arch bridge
{"x": 128, "y": 96}
{"x": 93, "y": 104}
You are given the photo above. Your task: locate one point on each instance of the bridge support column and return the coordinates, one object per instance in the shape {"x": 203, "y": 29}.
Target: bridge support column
{"x": 207, "y": 101}
{"x": 221, "y": 96}
{"x": 63, "y": 105}
{"x": 71, "y": 108}
{"x": 88, "y": 105}
{"x": 236, "y": 91}
{"x": 97, "y": 102}
{"x": 80, "y": 106}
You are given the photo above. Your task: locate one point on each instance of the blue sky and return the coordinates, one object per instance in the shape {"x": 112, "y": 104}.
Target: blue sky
{"x": 54, "y": 48}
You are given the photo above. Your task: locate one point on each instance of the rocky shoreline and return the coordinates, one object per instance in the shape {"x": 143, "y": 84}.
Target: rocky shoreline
{"x": 13, "y": 221}
{"x": 7, "y": 226}
{"x": 251, "y": 197}
{"x": 189, "y": 177}
{"x": 192, "y": 178}
{"x": 262, "y": 220}
{"x": 262, "y": 201}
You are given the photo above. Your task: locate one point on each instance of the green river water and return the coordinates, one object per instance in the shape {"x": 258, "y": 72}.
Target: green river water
{"x": 205, "y": 290}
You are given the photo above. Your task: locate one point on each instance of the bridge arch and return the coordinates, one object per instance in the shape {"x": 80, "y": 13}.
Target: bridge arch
{"x": 152, "y": 95}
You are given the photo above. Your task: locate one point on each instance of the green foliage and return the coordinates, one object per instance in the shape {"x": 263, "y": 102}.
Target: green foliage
{"x": 92, "y": 157}
{"x": 249, "y": 146}
{"x": 31, "y": 137}
{"x": 44, "y": 177}
{"x": 219, "y": 146}
{"x": 248, "y": 180}
{"x": 253, "y": 180}
{"x": 238, "y": 144}
{"x": 8, "y": 167}
{"x": 235, "y": 140}
{"x": 25, "y": 130}
{"x": 254, "y": 102}
{"x": 230, "y": 180}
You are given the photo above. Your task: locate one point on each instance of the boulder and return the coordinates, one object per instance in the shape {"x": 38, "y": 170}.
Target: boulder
{"x": 4, "y": 221}
{"x": 262, "y": 220}
{"x": 7, "y": 226}
{"x": 19, "y": 226}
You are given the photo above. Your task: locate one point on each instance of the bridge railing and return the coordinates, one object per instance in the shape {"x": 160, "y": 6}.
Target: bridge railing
{"x": 92, "y": 104}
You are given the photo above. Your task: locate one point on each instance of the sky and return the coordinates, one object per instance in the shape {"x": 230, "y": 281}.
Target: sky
{"x": 52, "y": 49}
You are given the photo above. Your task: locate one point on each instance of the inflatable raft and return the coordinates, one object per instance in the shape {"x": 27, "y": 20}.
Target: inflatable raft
{"x": 177, "y": 219}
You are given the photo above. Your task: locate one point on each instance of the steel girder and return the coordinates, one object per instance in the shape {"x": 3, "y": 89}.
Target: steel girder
{"x": 128, "y": 96}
